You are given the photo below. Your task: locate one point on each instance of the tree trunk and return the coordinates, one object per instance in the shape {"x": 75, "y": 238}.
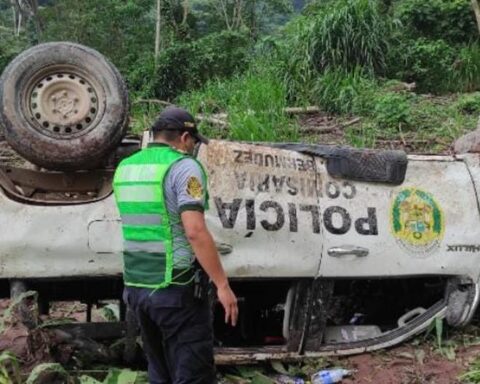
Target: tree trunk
{"x": 224, "y": 7}
{"x": 17, "y": 17}
{"x": 238, "y": 14}
{"x": 186, "y": 8}
{"x": 36, "y": 19}
{"x": 14, "y": 19}
{"x": 476, "y": 9}
{"x": 253, "y": 20}
{"x": 157, "y": 31}
{"x": 19, "y": 23}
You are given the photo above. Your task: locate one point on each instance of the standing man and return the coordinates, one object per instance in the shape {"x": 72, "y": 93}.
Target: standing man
{"x": 161, "y": 193}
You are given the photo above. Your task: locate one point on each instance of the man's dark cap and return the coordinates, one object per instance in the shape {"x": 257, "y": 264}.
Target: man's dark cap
{"x": 174, "y": 118}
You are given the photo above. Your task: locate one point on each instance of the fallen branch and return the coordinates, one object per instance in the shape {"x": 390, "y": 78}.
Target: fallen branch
{"x": 213, "y": 120}
{"x": 301, "y": 110}
{"x": 152, "y": 101}
{"x": 406, "y": 142}
{"x": 402, "y": 87}
{"x": 351, "y": 122}
{"x": 331, "y": 128}
{"x": 320, "y": 130}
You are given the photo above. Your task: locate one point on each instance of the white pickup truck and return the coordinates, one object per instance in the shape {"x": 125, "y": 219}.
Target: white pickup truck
{"x": 331, "y": 250}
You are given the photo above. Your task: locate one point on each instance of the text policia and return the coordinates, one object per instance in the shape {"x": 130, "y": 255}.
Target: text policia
{"x": 336, "y": 219}
{"x": 278, "y": 190}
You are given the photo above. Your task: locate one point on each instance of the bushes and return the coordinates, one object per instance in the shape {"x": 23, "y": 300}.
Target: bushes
{"x": 10, "y": 46}
{"x": 429, "y": 63}
{"x": 422, "y": 42}
{"x": 466, "y": 75}
{"x": 436, "y": 66}
{"x": 431, "y": 49}
{"x": 349, "y": 34}
{"x": 469, "y": 104}
{"x": 188, "y": 66}
{"x": 339, "y": 35}
{"x": 392, "y": 110}
{"x": 254, "y": 103}
{"x": 337, "y": 91}
{"x": 450, "y": 20}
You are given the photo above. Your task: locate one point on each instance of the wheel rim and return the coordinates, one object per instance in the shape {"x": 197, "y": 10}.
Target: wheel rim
{"x": 62, "y": 103}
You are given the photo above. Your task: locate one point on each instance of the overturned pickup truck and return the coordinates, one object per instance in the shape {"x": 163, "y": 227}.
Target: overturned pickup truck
{"x": 330, "y": 250}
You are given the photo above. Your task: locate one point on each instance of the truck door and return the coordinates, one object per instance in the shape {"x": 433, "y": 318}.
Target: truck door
{"x": 264, "y": 212}
{"x": 427, "y": 225}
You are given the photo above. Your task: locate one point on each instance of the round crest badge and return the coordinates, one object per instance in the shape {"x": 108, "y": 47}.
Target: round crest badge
{"x": 194, "y": 188}
{"x": 417, "y": 221}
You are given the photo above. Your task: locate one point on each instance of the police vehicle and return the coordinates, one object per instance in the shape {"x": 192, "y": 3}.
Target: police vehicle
{"x": 330, "y": 250}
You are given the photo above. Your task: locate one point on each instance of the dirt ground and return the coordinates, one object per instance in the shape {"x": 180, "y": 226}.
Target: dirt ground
{"x": 410, "y": 365}
{"x": 419, "y": 361}
{"x": 321, "y": 128}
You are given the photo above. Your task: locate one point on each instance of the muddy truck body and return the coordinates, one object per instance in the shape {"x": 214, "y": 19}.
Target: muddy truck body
{"x": 331, "y": 250}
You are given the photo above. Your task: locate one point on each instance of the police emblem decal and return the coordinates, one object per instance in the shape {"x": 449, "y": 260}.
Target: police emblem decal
{"x": 194, "y": 188}
{"x": 417, "y": 221}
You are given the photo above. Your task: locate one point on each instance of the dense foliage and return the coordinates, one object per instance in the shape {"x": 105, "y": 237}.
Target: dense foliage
{"x": 189, "y": 65}
{"x": 450, "y": 20}
{"x": 251, "y": 59}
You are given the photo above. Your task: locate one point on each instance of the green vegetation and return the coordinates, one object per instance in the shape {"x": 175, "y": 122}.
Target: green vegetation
{"x": 472, "y": 376}
{"x": 451, "y": 20}
{"x": 187, "y": 66}
{"x": 254, "y": 103}
{"x": 408, "y": 68}
{"x": 9, "y": 369}
{"x": 343, "y": 92}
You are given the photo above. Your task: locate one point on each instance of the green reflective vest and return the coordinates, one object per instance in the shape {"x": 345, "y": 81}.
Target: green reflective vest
{"x": 138, "y": 186}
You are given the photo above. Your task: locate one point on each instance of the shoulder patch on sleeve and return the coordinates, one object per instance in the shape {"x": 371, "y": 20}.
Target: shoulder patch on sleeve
{"x": 194, "y": 188}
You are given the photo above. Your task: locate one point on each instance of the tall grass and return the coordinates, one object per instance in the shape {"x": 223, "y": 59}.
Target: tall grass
{"x": 254, "y": 104}
{"x": 338, "y": 91}
{"x": 466, "y": 75}
{"x": 294, "y": 54}
{"x": 334, "y": 36}
{"x": 348, "y": 34}
{"x": 9, "y": 369}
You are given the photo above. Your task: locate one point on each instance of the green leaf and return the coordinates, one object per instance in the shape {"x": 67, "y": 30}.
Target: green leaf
{"x": 236, "y": 379}
{"x": 9, "y": 368}
{"x": 439, "y": 331}
{"x": 118, "y": 376}
{"x": 48, "y": 371}
{"x": 260, "y": 378}
{"x": 88, "y": 380}
{"x": 278, "y": 367}
{"x": 121, "y": 376}
{"x": 247, "y": 372}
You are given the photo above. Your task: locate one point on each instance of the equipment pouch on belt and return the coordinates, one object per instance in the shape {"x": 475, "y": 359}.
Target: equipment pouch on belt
{"x": 200, "y": 284}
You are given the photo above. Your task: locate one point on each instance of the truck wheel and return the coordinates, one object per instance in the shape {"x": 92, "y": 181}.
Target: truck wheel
{"x": 63, "y": 106}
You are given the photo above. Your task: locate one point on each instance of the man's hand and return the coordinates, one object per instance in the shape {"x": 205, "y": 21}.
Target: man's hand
{"x": 206, "y": 252}
{"x": 229, "y": 301}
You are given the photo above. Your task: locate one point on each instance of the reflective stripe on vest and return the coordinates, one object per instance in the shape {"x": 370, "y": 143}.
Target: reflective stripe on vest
{"x": 144, "y": 246}
{"x": 148, "y": 172}
{"x": 138, "y": 193}
{"x": 141, "y": 219}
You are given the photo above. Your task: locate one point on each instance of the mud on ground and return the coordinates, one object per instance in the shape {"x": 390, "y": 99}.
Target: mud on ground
{"x": 420, "y": 361}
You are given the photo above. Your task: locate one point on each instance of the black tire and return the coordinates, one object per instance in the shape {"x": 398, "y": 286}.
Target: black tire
{"x": 63, "y": 106}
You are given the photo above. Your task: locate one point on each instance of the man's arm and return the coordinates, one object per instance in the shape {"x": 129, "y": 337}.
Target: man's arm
{"x": 206, "y": 252}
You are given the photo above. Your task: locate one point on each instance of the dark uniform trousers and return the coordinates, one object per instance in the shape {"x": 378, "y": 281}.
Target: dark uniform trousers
{"x": 177, "y": 334}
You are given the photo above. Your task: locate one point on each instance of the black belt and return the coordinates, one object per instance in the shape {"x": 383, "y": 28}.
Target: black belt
{"x": 182, "y": 276}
